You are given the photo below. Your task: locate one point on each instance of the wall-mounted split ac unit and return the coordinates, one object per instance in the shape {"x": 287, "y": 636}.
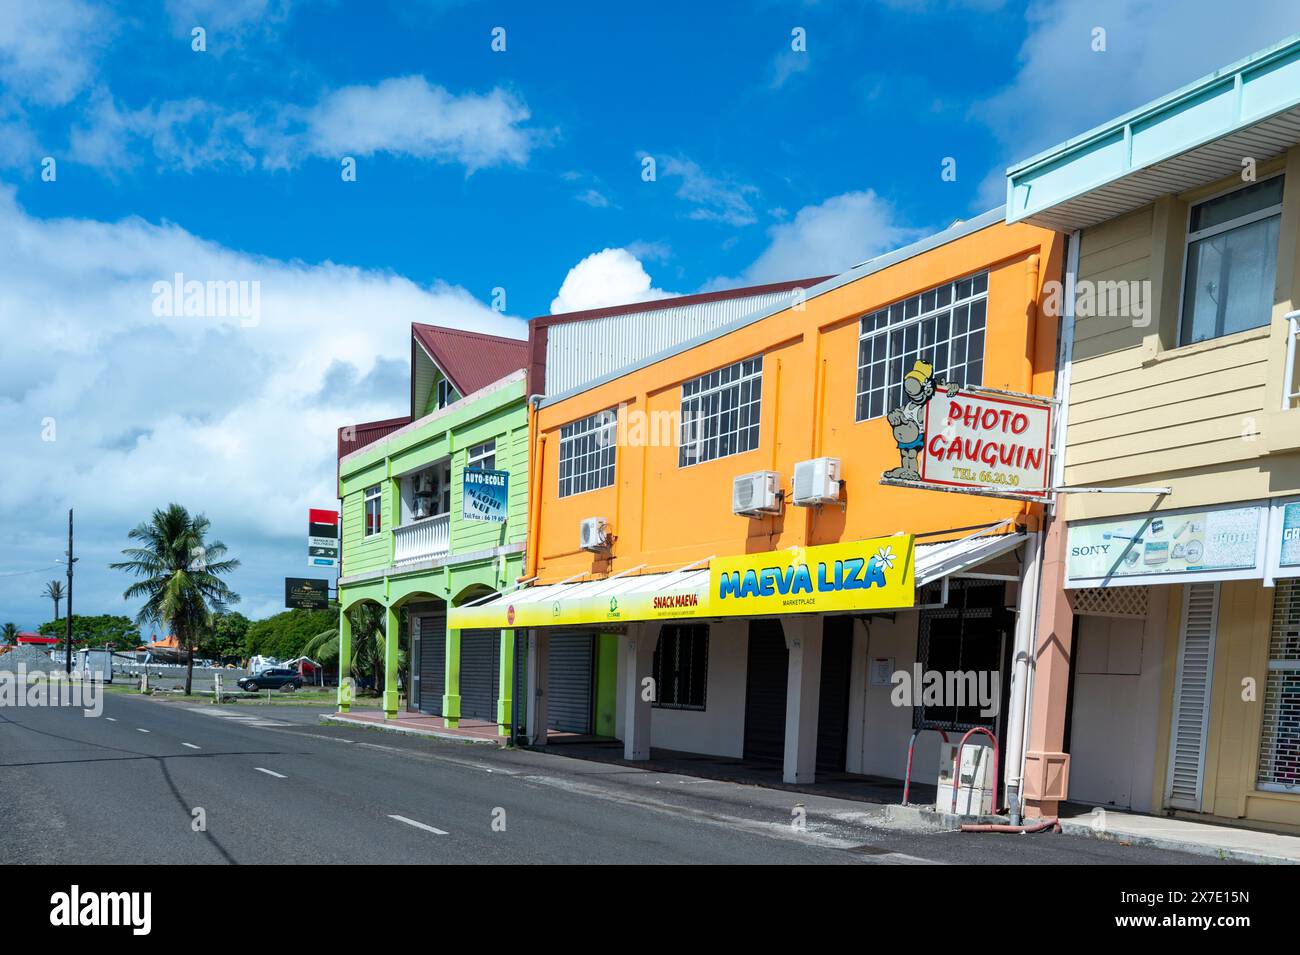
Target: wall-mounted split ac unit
{"x": 595, "y": 534}
{"x": 816, "y": 482}
{"x": 757, "y": 494}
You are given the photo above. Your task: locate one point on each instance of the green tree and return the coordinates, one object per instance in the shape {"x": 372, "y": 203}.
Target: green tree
{"x": 11, "y": 633}
{"x": 286, "y": 634}
{"x": 54, "y": 590}
{"x": 178, "y": 573}
{"x": 98, "y": 630}
{"x": 225, "y": 638}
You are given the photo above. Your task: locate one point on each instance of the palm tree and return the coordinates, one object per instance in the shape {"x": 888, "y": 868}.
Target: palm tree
{"x": 11, "y": 634}
{"x": 179, "y": 575}
{"x": 54, "y": 590}
{"x": 367, "y": 645}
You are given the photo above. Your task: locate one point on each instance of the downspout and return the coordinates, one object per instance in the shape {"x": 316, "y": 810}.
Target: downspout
{"x": 535, "y": 460}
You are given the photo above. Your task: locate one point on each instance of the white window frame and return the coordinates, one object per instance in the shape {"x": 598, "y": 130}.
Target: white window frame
{"x": 689, "y": 453}
{"x": 373, "y": 493}
{"x": 483, "y": 452}
{"x": 446, "y": 393}
{"x": 602, "y": 427}
{"x": 1239, "y": 222}
{"x": 890, "y": 328}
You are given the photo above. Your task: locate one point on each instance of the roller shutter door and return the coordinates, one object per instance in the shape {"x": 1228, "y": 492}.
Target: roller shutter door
{"x": 833, "y": 700}
{"x": 480, "y": 659}
{"x": 569, "y": 699}
{"x": 765, "y": 679}
{"x": 431, "y": 640}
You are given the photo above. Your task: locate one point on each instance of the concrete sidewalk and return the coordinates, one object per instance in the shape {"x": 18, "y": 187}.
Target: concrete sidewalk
{"x": 1182, "y": 835}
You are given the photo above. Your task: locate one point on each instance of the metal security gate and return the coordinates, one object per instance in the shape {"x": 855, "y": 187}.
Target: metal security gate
{"x": 480, "y": 662}
{"x": 765, "y": 681}
{"x": 833, "y": 700}
{"x": 1192, "y": 696}
{"x": 569, "y": 675}
{"x": 430, "y": 639}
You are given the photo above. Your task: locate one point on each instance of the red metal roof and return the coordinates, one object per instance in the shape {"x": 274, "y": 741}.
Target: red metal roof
{"x": 471, "y": 359}
{"x": 34, "y": 638}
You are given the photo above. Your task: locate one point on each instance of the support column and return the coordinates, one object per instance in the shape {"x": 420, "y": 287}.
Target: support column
{"x": 803, "y": 638}
{"x": 390, "y": 663}
{"x": 505, "y": 682}
{"x": 1047, "y": 768}
{"x": 539, "y": 645}
{"x": 642, "y": 638}
{"x": 451, "y": 681}
{"x": 347, "y": 689}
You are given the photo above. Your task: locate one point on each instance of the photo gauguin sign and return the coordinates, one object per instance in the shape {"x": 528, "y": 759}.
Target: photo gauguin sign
{"x": 990, "y": 444}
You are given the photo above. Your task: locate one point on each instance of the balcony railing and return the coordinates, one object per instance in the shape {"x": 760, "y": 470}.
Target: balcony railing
{"x": 422, "y": 540}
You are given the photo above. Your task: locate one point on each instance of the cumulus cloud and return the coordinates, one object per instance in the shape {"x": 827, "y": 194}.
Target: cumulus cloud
{"x": 825, "y": 238}
{"x": 224, "y": 414}
{"x": 1148, "y": 53}
{"x": 608, "y": 277}
{"x": 713, "y": 199}
{"x": 404, "y": 116}
{"x": 49, "y": 49}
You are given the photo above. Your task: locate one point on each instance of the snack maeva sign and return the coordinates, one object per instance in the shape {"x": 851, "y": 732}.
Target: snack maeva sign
{"x": 970, "y": 440}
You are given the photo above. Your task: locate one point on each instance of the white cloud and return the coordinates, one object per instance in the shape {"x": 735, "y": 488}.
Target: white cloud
{"x": 238, "y": 422}
{"x": 826, "y": 238}
{"x": 714, "y": 199}
{"x": 49, "y": 49}
{"x": 785, "y": 65}
{"x": 608, "y": 277}
{"x": 594, "y": 198}
{"x": 1063, "y": 88}
{"x": 224, "y": 16}
{"x": 405, "y": 116}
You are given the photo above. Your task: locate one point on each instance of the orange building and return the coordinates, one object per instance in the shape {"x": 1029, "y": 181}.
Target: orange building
{"x": 753, "y": 454}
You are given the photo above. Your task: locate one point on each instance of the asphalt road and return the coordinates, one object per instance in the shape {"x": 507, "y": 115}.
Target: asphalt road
{"x": 272, "y": 786}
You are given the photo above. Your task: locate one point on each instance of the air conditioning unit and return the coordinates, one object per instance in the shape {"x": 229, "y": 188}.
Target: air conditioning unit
{"x": 595, "y": 534}
{"x": 757, "y": 494}
{"x": 817, "y": 482}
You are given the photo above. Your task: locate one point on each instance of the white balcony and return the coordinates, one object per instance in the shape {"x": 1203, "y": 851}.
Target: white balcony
{"x": 422, "y": 540}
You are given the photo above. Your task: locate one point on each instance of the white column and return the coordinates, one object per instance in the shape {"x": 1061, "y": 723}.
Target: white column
{"x": 803, "y": 638}
{"x": 539, "y": 645}
{"x": 642, "y": 638}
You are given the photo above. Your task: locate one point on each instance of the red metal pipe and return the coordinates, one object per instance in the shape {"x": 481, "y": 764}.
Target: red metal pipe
{"x": 907, "y": 777}
{"x": 1053, "y": 824}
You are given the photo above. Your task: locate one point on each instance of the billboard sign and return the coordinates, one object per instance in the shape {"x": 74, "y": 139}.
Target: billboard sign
{"x": 485, "y": 495}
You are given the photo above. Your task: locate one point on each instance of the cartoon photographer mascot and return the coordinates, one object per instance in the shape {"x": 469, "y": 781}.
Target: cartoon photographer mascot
{"x": 908, "y": 419}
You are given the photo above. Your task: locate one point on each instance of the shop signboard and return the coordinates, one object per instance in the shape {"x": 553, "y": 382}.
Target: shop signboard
{"x": 872, "y": 574}
{"x": 306, "y": 593}
{"x": 1164, "y": 547}
{"x": 485, "y": 494}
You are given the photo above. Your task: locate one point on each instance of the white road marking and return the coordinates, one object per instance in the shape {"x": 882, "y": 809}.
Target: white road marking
{"x": 269, "y": 773}
{"x": 139, "y": 729}
{"x": 190, "y": 745}
{"x": 110, "y": 719}
{"x": 417, "y": 825}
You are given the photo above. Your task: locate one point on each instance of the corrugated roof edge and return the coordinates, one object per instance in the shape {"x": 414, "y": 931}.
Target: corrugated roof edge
{"x": 983, "y": 221}
{"x": 1155, "y": 106}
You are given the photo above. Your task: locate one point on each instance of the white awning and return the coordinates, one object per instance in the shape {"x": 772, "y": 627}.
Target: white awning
{"x": 935, "y": 561}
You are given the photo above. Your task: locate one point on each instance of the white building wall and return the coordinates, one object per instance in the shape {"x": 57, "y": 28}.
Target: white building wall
{"x": 719, "y": 729}
{"x": 886, "y": 728}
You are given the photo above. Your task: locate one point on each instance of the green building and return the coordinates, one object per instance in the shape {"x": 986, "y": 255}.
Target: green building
{"x": 434, "y": 514}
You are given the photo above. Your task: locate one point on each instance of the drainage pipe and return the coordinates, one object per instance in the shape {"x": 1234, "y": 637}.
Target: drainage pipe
{"x": 1054, "y": 824}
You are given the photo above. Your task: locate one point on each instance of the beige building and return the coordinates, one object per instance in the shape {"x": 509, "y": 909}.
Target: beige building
{"x": 1167, "y": 664}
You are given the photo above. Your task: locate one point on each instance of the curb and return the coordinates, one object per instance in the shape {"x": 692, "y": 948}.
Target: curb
{"x": 339, "y": 720}
{"x": 1175, "y": 845}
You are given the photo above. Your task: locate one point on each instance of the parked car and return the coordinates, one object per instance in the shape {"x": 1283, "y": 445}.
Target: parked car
{"x": 273, "y": 678}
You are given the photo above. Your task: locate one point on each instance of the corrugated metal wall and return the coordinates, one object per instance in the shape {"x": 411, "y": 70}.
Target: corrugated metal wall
{"x": 581, "y": 352}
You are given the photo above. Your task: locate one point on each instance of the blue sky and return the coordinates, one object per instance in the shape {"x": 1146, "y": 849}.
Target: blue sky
{"x": 476, "y": 170}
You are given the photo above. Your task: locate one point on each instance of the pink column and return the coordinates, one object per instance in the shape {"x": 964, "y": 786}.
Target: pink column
{"x": 1047, "y": 768}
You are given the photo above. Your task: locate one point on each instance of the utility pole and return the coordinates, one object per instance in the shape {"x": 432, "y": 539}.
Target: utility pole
{"x": 71, "y": 560}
